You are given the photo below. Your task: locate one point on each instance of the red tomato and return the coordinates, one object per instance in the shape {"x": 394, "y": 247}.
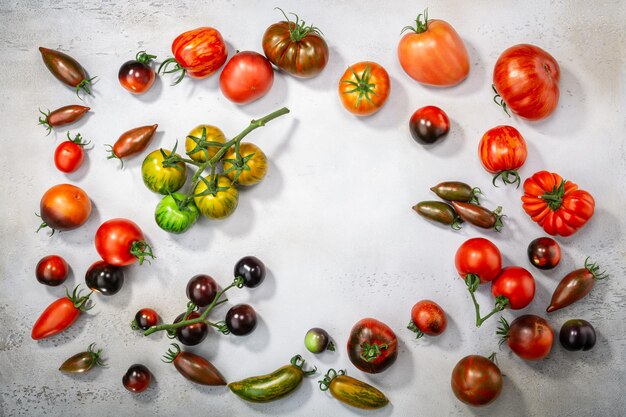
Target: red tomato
{"x": 60, "y": 315}
{"x": 433, "y": 53}
{"x": 527, "y": 80}
{"x": 428, "y": 124}
{"x": 372, "y": 346}
{"x": 478, "y": 257}
{"x": 557, "y": 205}
{"x": 69, "y": 155}
{"x": 364, "y": 88}
{"x": 515, "y": 284}
{"x": 248, "y": 76}
{"x": 530, "y": 337}
{"x": 64, "y": 207}
{"x": 476, "y": 380}
{"x": 52, "y": 270}
{"x": 121, "y": 242}
{"x": 502, "y": 151}
{"x": 427, "y": 318}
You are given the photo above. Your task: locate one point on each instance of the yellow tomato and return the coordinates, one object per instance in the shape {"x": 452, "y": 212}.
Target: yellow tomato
{"x": 199, "y": 146}
{"x": 219, "y": 205}
{"x": 252, "y": 171}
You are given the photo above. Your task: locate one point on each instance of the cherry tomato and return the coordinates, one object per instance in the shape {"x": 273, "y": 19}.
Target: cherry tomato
{"x": 132, "y": 142}
{"x": 479, "y": 257}
{"x": 64, "y": 207}
{"x": 372, "y": 346}
{"x": 137, "y": 76}
{"x": 364, "y": 88}
{"x": 60, "y": 315}
{"x": 194, "y": 367}
{"x": 526, "y": 78}
{"x": 476, "y": 380}
{"x": 317, "y": 340}
{"x": 295, "y": 48}
{"x": 433, "y": 53}
{"x": 427, "y": 317}
{"x": 248, "y": 76}
{"x": 104, "y": 278}
{"x": 217, "y": 204}
{"x": 428, "y": 124}
{"x": 137, "y": 378}
{"x": 161, "y": 179}
{"x": 198, "y": 142}
{"x": 575, "y": 286}
{"x": 121, "y": 242}
{"x": 251, "y": 269}
{"x": 171, "y": 216}
{"x": 515, "y": 284}
{"x": 241, "y": 319}
{"x": 544, "y": 253}
{"x": 83, "y": 361}
{"x": 69, "y": 155}
{"x": 62, "y": 116}
{"x": 52, "y": 270}
{"x": 191, "y": 334}
{"x": 144, "y": 319}
{"x": 577, "y": 335}
{"x": 201, "y": 290}
{"x": 198, "y": 53}
{"x": 530, "y": 337}
{"x": 502, "y": 151}
{"x": 66, "y": 69}
{"x": 249, "y": 168}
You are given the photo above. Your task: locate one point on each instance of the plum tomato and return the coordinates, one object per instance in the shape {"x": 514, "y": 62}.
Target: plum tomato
{"x": 476, "y": 380}
{"x": 577, "y": 334}
{"x": 137, "y": 378}
{"x": 317, "y": 340}
{"x": 83, "y": 361}
{"x": 104, "y": 278}
{"x": 201, "y": 290}
{"x": 427, "y": 317}
{"x": 52, "y": 270}
{"x": 241, "y": 319}
{"x": 251, "y": 269}
{"x": 191, "y": 334}
{"x": 544, "y": 253}
{"x": 530, "y": 337}
{"x": 144, "y": 319}
{"x": 372, "y": 346}
{"x": 136, "y": 75}
{"x": 69, "y": 155}
{"x": 428, "y": 124}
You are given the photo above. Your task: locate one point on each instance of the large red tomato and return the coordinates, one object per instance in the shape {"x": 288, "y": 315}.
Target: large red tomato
{"x": 530, "y": 337}
{"x": 527, "y": 80}
{"x": 372, "y": 346}
{"x": 248, "y": 76}
{"x": 478, "y": 257}
{"x": 556, "y": 204}
{"x": 121, "y": 242}
{"x": 476, "y": 380}
{"x": 64, "y": 207}
{"x": 364, "y": 88}
{"x": 433, "y": 53}
{"x": 503, "y": 151}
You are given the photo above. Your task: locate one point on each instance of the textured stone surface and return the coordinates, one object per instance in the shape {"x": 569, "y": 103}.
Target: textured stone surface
{"x": 332, "y": 221}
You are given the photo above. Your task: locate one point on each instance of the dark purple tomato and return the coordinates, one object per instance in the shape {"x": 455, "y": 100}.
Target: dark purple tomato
{"x": 429, "y": 124}
{"x": 201, "y": 290}
{"x": 191, "y": 334}
{"x": 544, "y": 253}
{"x": 137, "y": 378}
{"x": 251, "y": 269}
{"x": 52, "y": 270}
{"x": 137, "y": 76}
{"x": 104, "y": 278}
{"x": 241, "y": 319}
{"x": 145, "y": 318}
{"x": 577, "y": 334}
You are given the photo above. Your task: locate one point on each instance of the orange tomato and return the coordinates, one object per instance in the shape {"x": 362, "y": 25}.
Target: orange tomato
{"x": 64, "y": 207}
{"x": 433, "y": 54}
{"x": 364, "y": 88}
{"x": 503, "y": 151}
{"x": 200, "y": 51}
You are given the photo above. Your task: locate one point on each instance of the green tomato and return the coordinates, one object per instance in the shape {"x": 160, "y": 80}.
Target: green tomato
{"x": 160, "y": 179}
{"x": 317, "y": 340}
{"x": 173, "y": 219}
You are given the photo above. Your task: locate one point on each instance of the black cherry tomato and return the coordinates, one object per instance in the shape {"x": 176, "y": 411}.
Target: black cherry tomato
{"x": 201, "y": 290}
{"x": 144, "y": 319}
{"x": 241, "y": 319}
{"x": 137, "y": 76}
{"x": 104, "y": 278}
{"x": 52, "y": 270}
{"x": 577, "y": 334}
{"x": 191, "y": 334}
{"x": 251, "y": 269}
{"x": 137, "y": 378}
{"x": 428, "y": 124}
{"x": 544, "y": 253}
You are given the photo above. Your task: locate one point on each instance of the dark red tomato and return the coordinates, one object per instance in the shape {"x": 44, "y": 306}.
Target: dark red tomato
{"x": 478, "y": 257}
{"x": 372, "y": 346}
{"x": 527, "y": 80}
{"x": 69, "y": 155}
{"x": 144, "y": 319}
{"x": 64, "y": 207}
{"x": 121, "y": 242}
{"x": 251, "y": 269}
{"x": 132, "y": 142}
{"x": 502, "y": 151}
{"x": 66, "y": 69}
{"x": 241, "y": 319}
{"x": 428, "y": 124}
{"x": 104, "y": 279}
{"x": 62, "y": 116}
{"x": 427, "y": 317}
{"x": 194, "y": 367}
{"x": 60, "y": 315}
{"x": 137, "y": 76}
{"x": 544, "y": 253}
{"x": 191, "y": 334}
{"x": 515, "y": 284}
{"x": 575, "y": 285}
{"x": 83, "y": 361}
{"x": 479, "y": 216}
{"x": 530, "y": 337}
{"x": 476, "y": 380}
{"x": 248, "y": 76}
{"x": 52, "y": 270}
{"x": 298, "y": 49}
{"x": 137, "y": 378}
{"x": 201, "y": 290}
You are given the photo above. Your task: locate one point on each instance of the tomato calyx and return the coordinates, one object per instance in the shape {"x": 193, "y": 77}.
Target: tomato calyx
{"x": 330, "y": 375}
{"x": 421, "y": 23}
{"x": 594, "y": 269}
{"x": 472, "y": 281}
{"x": 298, "y": 29}
{"x": 509, "y": 176}
{"x": 79, "y": 302}
{"x": 554, "y": 198}
{"x": 503, "y": 331}
{"x": 95, "y": 356}
{"x": 298, "y": 362}
{"x": 412, "y": 327}
{"x": 45, "y": 122}
{"x": 362, "y": 85}
{"x": 239, "y": 164}
{"x": 140, "y": 249}
{"x": 84, "y": 86}
{"x": 78, "y": 140}
{"x": 43, "y": 225}
{"x": 164, "y": 69}
{"x": 144, "y": 58}
{"x": 371, "y": 352}
{"x": 202, "y": 145}
{"x": 500, "y": 101}
{"x": 171, "y": 354}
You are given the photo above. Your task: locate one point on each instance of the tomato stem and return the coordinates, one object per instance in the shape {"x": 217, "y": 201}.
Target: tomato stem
{"x": 297, "y": 29}
{"x": 506, "y": 177}
{"x": 164, "y": 69}
{"x": 362, "y": 85}
{"x": 140, "y": 249}
{"x": 330, "y": 375}
{"x": 412, "y": 327}
{"x": 45, "y": 122}
{"x": 593, "y": 269}
{"x": 554, "y": 198}
{"x": 298, "y": 362}
{"x": 421, "y": 24}
{"x": 472, "y": 281}
{"x": 144, "y": 58}
{"x": 372, "y": 351}
{"x": 503, "y": 331}
{"x": 500, "y": 101}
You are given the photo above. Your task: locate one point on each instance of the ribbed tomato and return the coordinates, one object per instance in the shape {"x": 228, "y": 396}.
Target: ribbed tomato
{"x": 503, "y": 151}
{"x": 364, "y": 88}
{"x": 556, "y": 204}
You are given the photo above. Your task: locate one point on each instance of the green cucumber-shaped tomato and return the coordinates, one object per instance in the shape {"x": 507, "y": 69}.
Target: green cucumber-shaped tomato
{"x": 162, "y": 179}
{"x": 351, "y": 391}
{"x": 270, "y": 387}
{"x": 174, "y": 219}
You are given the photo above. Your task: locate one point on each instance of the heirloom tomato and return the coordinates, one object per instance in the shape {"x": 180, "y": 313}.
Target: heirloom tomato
{"x": 216, "y": 199}
{"x": 364, "y": 88}
{"x": 137, "y": 75}
{"x": 132, "y": 142}
{"x": 247, "y": 168}
{"x": 530, "y": 337}
{"x": 241, "y": 319}
{"x": 203, "y": 142}
{"x": 476, "y": 380}
{"x": 83, "y": 361}
{"x": 502, "y": 151}
{"x": 318, "y": 340}
{"x": 104, "y": 278}
{"x": 162, "y": 179}
{"x": 194, "y": 367}
{"x": 52, "y": 270}
{"x": 427, "y": 317}
{"x": 175, "y": 214}
{"x": 428, "y": 124}
{"x": 544, "y": 253}
{"x": 64, "y": 207}
{"x": 577, "y": 334}
{"x": 351, "y": 391}
{"x": 516, "y": 285}
{"x": 372, "y": 346}
{"x": 191, "y": 334}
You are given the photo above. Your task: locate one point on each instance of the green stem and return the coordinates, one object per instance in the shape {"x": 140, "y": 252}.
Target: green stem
{"x": 472, "y": 281}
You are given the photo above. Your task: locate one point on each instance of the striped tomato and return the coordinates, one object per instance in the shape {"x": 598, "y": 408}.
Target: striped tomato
{"x": 503, "y": 151}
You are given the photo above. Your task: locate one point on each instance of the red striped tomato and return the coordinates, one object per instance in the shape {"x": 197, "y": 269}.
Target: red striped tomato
{"x": 502, "y": 151}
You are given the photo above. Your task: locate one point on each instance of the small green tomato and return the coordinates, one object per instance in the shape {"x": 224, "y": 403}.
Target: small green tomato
{"x": 317, "y": 340}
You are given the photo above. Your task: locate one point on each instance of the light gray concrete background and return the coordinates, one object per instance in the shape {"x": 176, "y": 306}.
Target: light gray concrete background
{"x": 332, "y": 221}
